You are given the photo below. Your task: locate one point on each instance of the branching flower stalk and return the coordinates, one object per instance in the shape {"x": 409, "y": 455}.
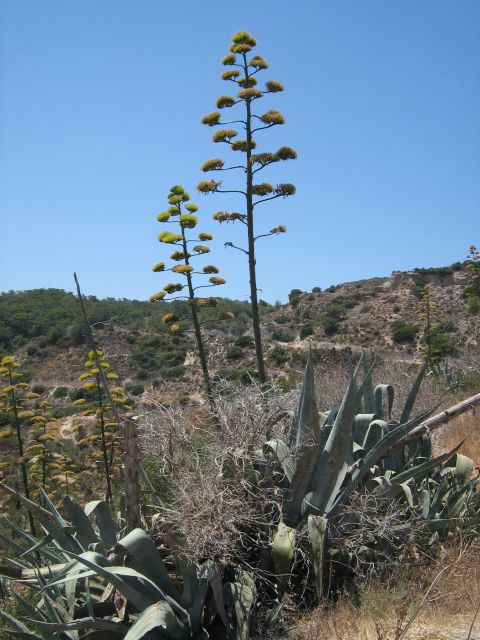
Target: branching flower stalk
{"x": 93, "y": 383}
{"x": 184, "y": 219}
{"x": 243, "y": 72}
{"x": 472, "y": 268}
{"x": 9, "y": 371}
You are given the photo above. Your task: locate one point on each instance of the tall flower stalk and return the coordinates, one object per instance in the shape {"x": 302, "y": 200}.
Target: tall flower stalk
{"x": 243, "y": 74}
{"x": 181, "y": 214}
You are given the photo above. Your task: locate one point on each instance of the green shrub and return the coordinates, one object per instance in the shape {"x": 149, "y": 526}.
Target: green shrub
{"x": 403, "y": 332}
{"x": 234, "y": 352}
{"x": 134, "y": 389}
{"x": 142, "y": 374}
{"x": 245, "y": 376}
{"x": 60, "y": 392}
{"x": 279, "y": 355}
{"x": 473, "y": 305}
{"x": 329, "y": 324}
{"x": 306, "y": 330}
{"x": 38, "y": 388}
{"x": 244, "y": 341}
{"x": 281, "y": 319}
{"x": 282, "y": 336}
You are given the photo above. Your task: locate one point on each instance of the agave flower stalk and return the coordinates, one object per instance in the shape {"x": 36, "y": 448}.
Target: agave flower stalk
{"x": 9, "y": 371}
{"x": 181, "y": 213}
{"x": 92, "y": 382}
{"x": 243, "y": 74}
{"x": 427, "y": 310}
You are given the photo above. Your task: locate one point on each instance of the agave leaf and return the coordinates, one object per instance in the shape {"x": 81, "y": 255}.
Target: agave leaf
{"x": 382, "y": 392}
{"x": 452, "y": 523}
{"x": 375, "y": 432}
{"x": 145, "y": 558}
{"x": 283, "y": 548}
{"x": 132, "y": 590}
{"x": 381, "y": 448}
{"x": 463, "y": 467}
{"x": 103, "y": 517}
{"x": 361, "y": 422}
{"x": 331, "y": 466}
{"x": 241, "y": 595}
{"x": 17, "y": 625}
{"x": 82, "y": 623}
{"x": 282, "y": 453}
{"x": 83, "y": 527}
{"x": 317, "y": 529}
{"x": 307, "y": 429}
{"x": 412, "y": 396}
{"x": 421, "y": 470}
{"x": 210, "y": 570}
{"x": 306, "y": 426}
{"x": 159, "y": 616}
{"x": 394, "y": 490}
{"x": 424, "y": 499}
{"x": 51, "y": 555}
{"x": 188, "y": 572}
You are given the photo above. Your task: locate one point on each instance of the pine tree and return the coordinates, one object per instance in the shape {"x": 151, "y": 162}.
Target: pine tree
{"x": 183, "y": 216}
{"x": 243, "y": 74}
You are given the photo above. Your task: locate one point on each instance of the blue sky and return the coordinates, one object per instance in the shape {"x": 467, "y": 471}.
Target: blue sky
{"x": 100, "y": 107}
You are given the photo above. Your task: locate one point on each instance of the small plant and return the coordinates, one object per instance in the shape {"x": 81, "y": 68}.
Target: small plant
{"x": 403, "y": 332}
{"x": 472, "y": 290}
{"x": 242, "y": 71}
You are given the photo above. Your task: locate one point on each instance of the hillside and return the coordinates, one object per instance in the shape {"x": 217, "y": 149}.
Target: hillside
{"x": 44, "y": 329}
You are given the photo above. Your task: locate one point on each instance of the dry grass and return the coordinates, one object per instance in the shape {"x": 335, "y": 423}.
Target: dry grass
{"x": 465, "y": 427}
{"x": 440, "y": 601}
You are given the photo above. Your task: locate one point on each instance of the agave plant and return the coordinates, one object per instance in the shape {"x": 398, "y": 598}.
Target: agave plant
{"x": 357, "y": 447}
{"x": 94, "y": 584}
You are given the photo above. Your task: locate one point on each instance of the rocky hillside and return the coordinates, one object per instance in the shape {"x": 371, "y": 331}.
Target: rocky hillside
{"x": 43, "y": 328}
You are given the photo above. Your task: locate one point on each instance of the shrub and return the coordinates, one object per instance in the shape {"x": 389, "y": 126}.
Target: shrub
{"x": 329, "y": 324}
{"x": 60, "y": 392}
{"x": 279, "y": 355}
{"x": 134, "y": 389}
{"x": 234, "y": 352}
{"x": 281, "y": 319}
{"x": 245, "y": 376}
{"x": 244, "y": 341}
{"x": 403, "y": 332}
{"x": 473, "y": 305}
{"x": 282, "y": 336}
{"x": 306, "y": 330}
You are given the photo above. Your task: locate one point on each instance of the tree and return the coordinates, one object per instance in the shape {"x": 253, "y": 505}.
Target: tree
{"x": 185, "y": 252}
{"x": 243, "y": 74}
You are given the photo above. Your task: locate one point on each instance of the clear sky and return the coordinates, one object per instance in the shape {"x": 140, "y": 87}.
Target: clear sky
{"x": 100, "y": 111}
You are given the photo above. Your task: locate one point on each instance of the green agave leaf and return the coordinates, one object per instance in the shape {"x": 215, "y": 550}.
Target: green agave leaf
{"x": 381, "y": 448}
{"x": 306, "y": 426}
{"x": 423, "y": 469}
{"x": 103, "y": 517}
{"x": 17, "y": 625}
{"x": 307, "y": 429}
{"x": 283, "y": 548}
{"x": 241, "y": 595}
{"x": 361, "y": 422}
{"x": 82, "y": 623}
{"x": 159, "y": 616}
{"x": 46, "y": 552}
{"x": 331, "y": 466}
{"x": 463, "y": 466}
{"x": 145, "y": 558}
{"x": 424, "y": 499}
{"x": 188, "y": 572}
{"x": 394, "y": 490}
{"x": 211, "y": 572}
{"x": 132, "y": 590}
{"x": 83, "y": 527}
{"x": 382, "y": 392}
{"x": 281, "y": 451}
{"x": 412, "y": 396}
{"x": 452, "y": 523}
{"x": 317, "y": 529}
{"x": 377, "y": 429}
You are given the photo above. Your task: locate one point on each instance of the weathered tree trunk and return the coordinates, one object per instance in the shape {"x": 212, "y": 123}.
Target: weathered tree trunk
{"x": 436, "y": 421}
{"x": 132, "y": 479}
